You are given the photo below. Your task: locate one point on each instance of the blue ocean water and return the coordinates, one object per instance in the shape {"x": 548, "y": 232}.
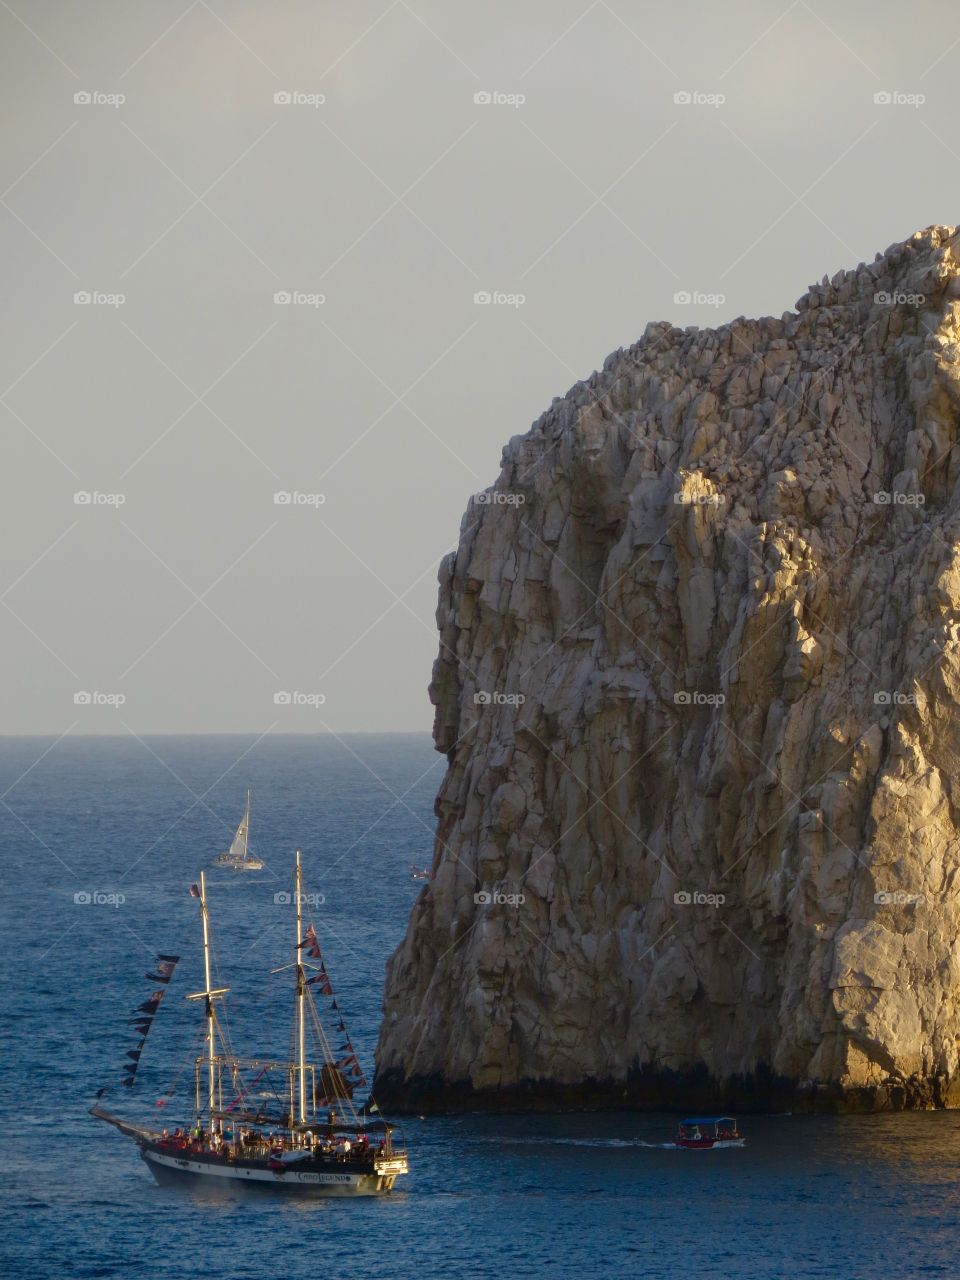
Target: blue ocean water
{"x": 550, "y": 1196}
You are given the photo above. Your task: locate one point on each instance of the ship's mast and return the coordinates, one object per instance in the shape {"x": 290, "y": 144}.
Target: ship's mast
{"x": 208, "y": 995}
{"x": 211, "y": 1019}
{"x": 301, "y": 996}
{"x": 246, "y": 829}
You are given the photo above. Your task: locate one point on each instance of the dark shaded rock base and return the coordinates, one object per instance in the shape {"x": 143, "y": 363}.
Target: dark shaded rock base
{"x": 652, "y": 1090}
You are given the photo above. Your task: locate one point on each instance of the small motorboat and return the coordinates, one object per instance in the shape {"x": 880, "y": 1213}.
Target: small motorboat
{"x": 703, "y": 1133}
{"x": 419, "y": 873}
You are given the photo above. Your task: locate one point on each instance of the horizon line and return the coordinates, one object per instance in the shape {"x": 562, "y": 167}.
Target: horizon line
{"x": 223, "y": 733}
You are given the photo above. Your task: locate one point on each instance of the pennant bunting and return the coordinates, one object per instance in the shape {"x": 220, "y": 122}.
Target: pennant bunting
{"x": 150, "y": 1004}
{"x": 161, "y": 971}
{"x": 164, "y": 969}
{"x": 311, "y": 943}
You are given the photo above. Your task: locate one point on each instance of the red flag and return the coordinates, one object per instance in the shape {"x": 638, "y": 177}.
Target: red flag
{"x": 311, "y": 943}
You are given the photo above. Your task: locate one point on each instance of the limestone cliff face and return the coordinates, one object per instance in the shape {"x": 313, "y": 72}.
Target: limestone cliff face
{"x": 699, "y": 690}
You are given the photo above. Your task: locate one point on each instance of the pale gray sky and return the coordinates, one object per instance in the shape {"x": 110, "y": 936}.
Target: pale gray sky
{"x": 598, "y": 197}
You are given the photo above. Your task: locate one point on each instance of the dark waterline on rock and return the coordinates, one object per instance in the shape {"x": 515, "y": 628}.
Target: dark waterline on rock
{"x": 657, "y": 1090}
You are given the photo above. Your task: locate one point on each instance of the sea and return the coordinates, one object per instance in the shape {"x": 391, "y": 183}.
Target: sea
{"x": 101, "y": 839}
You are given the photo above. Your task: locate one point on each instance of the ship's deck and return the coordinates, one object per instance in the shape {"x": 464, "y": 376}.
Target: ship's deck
{"x": 260, "y": 1155}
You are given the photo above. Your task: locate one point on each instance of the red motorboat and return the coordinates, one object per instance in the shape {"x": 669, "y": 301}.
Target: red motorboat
{"x": 703, "y": 1133}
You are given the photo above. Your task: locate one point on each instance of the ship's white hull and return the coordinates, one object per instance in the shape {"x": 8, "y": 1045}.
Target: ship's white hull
{"x": 168, "y": 1169}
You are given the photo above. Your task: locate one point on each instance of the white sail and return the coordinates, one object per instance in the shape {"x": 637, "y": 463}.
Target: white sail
{"x": 238, "y": 849}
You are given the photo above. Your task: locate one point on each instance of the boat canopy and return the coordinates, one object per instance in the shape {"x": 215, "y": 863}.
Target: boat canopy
{"x": 709, "y": 1120}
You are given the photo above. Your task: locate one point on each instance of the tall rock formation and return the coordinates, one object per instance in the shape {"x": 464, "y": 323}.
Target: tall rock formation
{"x": 699, "y": 691}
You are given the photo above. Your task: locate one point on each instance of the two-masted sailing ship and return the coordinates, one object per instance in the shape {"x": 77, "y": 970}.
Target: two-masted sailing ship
{"x": 288, "y": 1125}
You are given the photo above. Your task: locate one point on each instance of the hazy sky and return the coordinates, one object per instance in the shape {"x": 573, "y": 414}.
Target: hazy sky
{"x": 397, "y": 198}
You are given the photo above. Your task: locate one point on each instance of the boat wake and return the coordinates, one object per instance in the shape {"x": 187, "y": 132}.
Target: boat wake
{"x": 601, "y": 1143}
{"x": 574, "y": 1142}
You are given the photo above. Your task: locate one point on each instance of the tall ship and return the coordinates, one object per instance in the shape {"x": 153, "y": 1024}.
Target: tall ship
{"x": 238, "y": 857}
{"x": 291, "y": 1126}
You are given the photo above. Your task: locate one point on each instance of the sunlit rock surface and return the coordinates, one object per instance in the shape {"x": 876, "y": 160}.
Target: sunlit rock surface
{"x": 698, "y": 689}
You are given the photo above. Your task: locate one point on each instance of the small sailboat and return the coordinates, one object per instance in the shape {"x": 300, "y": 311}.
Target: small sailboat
{"x": 290, "y": 1126}
{"x": 238, "y": 857}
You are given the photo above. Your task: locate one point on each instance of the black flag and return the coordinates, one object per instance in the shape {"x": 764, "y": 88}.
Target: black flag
{"x": 162, "y": 971}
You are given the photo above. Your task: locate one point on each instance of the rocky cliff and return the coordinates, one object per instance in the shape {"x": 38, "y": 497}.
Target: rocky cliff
{"x": 698, "y": 842}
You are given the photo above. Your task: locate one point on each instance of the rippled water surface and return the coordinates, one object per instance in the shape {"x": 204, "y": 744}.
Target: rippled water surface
{"x": 560, "y": 1196}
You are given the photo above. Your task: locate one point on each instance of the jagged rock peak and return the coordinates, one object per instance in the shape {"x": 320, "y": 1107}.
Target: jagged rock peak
{"x": 698, "y": 690}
